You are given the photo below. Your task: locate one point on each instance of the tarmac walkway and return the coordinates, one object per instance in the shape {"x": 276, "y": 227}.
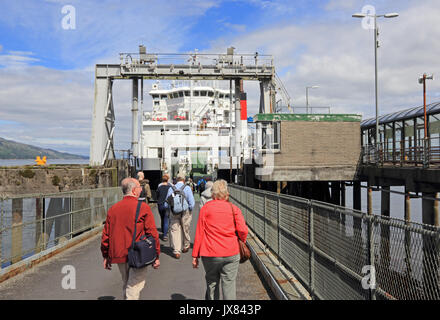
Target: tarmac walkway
{"x": 174, "y": 280}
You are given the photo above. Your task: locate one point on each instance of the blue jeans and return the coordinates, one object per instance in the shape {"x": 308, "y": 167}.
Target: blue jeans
{"x": 164, "y": 219}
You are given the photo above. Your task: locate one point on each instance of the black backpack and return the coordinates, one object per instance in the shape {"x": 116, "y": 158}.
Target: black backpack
{"x": 202, "y": 186}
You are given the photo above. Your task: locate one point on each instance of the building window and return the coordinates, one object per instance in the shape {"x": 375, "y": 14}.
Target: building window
{"x": 268, "y": 136}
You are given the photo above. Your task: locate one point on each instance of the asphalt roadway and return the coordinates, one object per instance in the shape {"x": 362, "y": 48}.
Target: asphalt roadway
{"x": 174, "y": 280}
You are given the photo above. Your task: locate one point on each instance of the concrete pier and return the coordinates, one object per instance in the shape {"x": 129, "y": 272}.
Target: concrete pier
{"x": 174, "y": 280}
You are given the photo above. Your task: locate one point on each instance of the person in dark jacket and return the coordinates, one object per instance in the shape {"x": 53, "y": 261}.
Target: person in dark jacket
{"x": 162, "y": 205}
{"x": 117, "y": 237}
{"x": 145, "y": 185}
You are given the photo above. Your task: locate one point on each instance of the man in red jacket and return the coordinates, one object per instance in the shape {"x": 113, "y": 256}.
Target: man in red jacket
{"x": 117, "y": 237}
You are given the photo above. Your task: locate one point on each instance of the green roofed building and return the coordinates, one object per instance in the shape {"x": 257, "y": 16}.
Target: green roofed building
{"x": 307, "y": 147}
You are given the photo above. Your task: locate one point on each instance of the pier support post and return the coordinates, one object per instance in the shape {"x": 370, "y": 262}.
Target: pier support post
{"x": 385, "y": 233}
{"x": 370, "y": 200}
{"x": 134, "y": 118}
{"x": 357, "y": 204}
{"x": 336, "y": 193}
{"x": 38, "y": 224}
{"x": 430, "y": 250}
{"x": 357, "y": 222}
{"x": 343, "y": 195}
{"x": 408, "y": 234}
{"x": 17, "y": 230}
{"x": 103, "y": 123}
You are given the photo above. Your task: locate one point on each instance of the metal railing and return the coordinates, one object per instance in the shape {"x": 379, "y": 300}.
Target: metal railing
{"x": 30, "y": 224}
{"x": 311, "y": 109}
{"x": 340, "y": 253}
{"x": 196, "y": 59}
{"x": 424, "y": 153}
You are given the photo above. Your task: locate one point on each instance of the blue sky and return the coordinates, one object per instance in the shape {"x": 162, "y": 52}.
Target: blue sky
{"x": 47, "y": 72}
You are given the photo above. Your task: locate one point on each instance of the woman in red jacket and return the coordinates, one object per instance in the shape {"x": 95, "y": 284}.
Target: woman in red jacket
{"x": 216, "y": 242}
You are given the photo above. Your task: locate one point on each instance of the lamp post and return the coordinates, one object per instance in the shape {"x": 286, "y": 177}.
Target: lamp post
{"x": 376, "y": 45}
{"x": 422, "y": 80}
{"x": 307, "y": 97}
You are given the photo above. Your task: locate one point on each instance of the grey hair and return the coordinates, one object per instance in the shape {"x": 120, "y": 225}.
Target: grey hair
{"x": 127, "y": 185}
{"x": 139, "y": 174}
{"x": 209, "y": 184}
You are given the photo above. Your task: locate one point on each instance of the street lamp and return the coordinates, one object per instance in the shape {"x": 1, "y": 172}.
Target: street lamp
{"x": 376, "y": 45}
{"x": 307, "y": 97}
{"x": 422, "y": 80}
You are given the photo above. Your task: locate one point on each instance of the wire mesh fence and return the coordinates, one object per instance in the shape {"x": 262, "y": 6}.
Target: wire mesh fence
{"x": 339, "y": 253}
{"x": 30, "y": 224}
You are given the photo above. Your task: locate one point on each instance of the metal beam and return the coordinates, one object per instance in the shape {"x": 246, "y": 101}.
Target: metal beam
{"x": 220, "y": 67}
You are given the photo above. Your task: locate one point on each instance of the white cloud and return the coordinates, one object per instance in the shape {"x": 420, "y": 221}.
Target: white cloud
{"x": 339, "y": 56}
{"x": 53, "y": 108}
{"x": 16, "y": 59}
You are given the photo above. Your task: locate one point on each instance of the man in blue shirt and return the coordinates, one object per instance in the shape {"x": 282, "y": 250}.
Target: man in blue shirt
{"x": 180, "y": 223}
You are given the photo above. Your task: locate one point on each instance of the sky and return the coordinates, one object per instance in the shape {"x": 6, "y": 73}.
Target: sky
{"x": 48, "y": 55}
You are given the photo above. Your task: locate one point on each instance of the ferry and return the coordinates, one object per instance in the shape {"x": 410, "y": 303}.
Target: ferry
{"x": 189, "y": 130}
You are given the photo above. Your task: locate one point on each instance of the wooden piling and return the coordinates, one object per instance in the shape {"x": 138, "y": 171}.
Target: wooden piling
{"x": 17, "y": 230}
{"x": 407, "y": 217}
{"x": 370, "y": 201}
{"x": 385, "y": 231}
{"x": 430, "y": 250}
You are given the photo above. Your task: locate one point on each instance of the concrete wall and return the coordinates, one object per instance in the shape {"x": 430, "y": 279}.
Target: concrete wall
{"x": 52, "y": 179}
{"x": 315, "y": 151}
{"x": 319, "y": 144}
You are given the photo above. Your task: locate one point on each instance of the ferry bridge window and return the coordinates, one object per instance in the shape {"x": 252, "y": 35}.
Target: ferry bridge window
{"x": 163, "y": 96}
{"x": 203, "y": 93}
{"x": 180, "y": 93}
{"x": 156, "y": 103}
{"x": 175, "y": 95}
{"x": 210, "y": 94}
{"x": 186, "y": 93}
{"x": 221, "y": 96}
{"x": 196, "y": 93}
{"x": 155, "y": 96}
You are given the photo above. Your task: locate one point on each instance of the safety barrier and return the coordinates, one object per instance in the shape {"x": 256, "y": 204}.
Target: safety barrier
{"x": 31, "y": 224}
{"x": 341, "y": 253}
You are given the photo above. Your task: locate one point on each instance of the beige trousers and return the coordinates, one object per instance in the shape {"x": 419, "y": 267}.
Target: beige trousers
{"x": 180, "y": 225}
{"x": 133, "y": 281}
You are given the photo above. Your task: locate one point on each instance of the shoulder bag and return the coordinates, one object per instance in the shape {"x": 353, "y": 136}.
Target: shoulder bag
{"x": 245, "y": 253}
{"x": 143, "y": 252}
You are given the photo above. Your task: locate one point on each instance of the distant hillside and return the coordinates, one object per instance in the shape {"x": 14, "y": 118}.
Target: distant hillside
{"x": 14, "y": 150}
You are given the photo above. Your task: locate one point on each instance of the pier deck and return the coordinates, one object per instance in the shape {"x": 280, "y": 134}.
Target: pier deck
{"x": 174, "y": 280}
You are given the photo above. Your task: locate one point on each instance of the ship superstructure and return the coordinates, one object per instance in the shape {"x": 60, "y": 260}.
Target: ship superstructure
{"x": 189, "y": 128}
